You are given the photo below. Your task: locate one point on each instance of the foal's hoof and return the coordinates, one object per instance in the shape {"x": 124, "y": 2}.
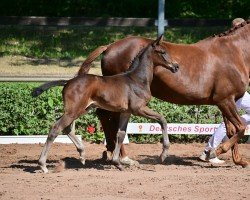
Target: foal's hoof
{"x": 44, "y": 169}
{"x": 127, "y": 161}
{"x": 163, "y": 156}
{"x": 82, "y": 160}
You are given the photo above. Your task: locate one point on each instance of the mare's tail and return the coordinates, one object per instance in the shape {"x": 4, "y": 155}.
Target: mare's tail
{"x": 83, "y": 70}
{"x": 92, "y": 56}
{"x": 39, "y": 90}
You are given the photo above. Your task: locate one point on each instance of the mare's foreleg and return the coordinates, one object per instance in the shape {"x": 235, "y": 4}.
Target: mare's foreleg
{"x": 124, "y": 118}
{"x": 148, "y": 113}
{"x": 229, "y": 110}
{"x": 70, "y": 131}
{"x": 110, "y": 124}
{"x": 61, "y": 124}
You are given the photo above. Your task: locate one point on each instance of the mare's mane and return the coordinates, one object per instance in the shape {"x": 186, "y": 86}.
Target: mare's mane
{"x": 232, "y": 30}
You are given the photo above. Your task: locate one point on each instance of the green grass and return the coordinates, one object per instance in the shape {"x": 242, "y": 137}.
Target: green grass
{"x": 75, "y": 42}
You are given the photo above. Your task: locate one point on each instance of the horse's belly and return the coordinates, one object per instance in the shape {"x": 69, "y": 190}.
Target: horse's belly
{"x": 169, "y": 90}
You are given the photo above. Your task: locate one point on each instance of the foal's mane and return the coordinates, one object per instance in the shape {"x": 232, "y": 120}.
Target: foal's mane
{"x": 232, "y": 30}
{"x": 135, "y": 62}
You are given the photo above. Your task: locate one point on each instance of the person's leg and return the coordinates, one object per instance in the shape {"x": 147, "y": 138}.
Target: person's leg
{"x": 218, "y": 136}
{"x": 244, "y": 103}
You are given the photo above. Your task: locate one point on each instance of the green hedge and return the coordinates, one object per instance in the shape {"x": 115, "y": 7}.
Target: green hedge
{"x": 23, "y": 115}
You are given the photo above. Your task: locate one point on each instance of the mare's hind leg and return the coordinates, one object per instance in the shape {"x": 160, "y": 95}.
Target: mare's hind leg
{"x": 230, "y": 131}
{"x": 61, "y": 124}
{"x": 124, "y": 117}
{"x": 148, "y": 113}
{"x": 70, "y": 131}
{"x": 228, "y": 108}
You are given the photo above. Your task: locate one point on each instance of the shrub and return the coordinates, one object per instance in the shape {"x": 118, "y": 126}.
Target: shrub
{"x": 22, "y": 114}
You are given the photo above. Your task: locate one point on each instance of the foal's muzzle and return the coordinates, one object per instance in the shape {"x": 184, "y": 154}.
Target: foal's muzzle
{"x": 174, "y": 67}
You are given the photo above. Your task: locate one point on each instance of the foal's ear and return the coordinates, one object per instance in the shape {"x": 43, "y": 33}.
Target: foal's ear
{"x": 158, "y": 40}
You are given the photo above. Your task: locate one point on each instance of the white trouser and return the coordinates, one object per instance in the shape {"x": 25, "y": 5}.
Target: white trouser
{"x": 220, "y": 133}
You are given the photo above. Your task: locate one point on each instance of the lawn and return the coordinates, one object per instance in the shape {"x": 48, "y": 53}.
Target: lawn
{"x": 51, "y": 50}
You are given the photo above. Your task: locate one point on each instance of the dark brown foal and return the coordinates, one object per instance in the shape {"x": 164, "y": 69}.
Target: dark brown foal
{"x": 127, "y": 93}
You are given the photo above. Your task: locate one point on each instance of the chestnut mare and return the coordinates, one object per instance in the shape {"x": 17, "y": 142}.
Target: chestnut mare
{"x": 213, "y": 71}
{"x": 127, "y": 93}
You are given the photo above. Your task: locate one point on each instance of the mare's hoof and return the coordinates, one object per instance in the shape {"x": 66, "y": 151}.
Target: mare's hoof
{"x": 127, "y": 161}
{"x": 116, "y": 163}
{"x": 246, "y": 165}
{"x": 107, "y": 156}
{"x": 120, "y": 167}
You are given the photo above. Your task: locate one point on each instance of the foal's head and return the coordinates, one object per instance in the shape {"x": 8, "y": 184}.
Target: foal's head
{"x": 161, "y": 57}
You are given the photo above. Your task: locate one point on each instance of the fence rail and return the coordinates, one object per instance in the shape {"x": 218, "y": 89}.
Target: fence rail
{"x": 85, "y": 21}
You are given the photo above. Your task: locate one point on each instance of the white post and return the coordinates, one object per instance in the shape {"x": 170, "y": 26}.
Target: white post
{"x": 161, "y": 17}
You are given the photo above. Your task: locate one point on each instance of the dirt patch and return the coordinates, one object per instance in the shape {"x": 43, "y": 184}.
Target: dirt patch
{"x": 183, "y": 176}
{"x": 24, "y": 66}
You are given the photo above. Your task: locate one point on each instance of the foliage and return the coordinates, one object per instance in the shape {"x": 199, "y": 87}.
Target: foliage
{"x": 126, "y": 8}
{"x": 23, "y": 115}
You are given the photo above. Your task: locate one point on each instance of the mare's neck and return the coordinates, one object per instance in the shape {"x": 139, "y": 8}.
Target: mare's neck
{"x": 242, "y": 37}
{"x": 241, "y": 40}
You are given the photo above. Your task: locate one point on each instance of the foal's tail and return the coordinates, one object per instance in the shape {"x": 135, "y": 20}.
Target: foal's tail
{"x": 92, "y": 56}
{"x": 39, "y": 90}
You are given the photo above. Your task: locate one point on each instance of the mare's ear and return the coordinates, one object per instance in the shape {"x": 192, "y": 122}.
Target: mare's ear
{"x": 158, "y": 41}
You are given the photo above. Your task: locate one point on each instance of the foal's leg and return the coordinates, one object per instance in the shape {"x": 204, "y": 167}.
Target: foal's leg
{"x": 124, "y": 118}
{"x": 228, "y": 109}
{"x": 70, "y": 131}
{"x": 61, "y": 124}
{"x": 148, "y": 113}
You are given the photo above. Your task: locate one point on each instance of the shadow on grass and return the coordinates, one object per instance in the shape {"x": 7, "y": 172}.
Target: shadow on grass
{"x": 73, "y": 43}
{"x": 20, "y": 61}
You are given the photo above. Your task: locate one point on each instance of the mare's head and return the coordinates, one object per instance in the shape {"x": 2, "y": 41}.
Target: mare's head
{"x": 161, "y": 57}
